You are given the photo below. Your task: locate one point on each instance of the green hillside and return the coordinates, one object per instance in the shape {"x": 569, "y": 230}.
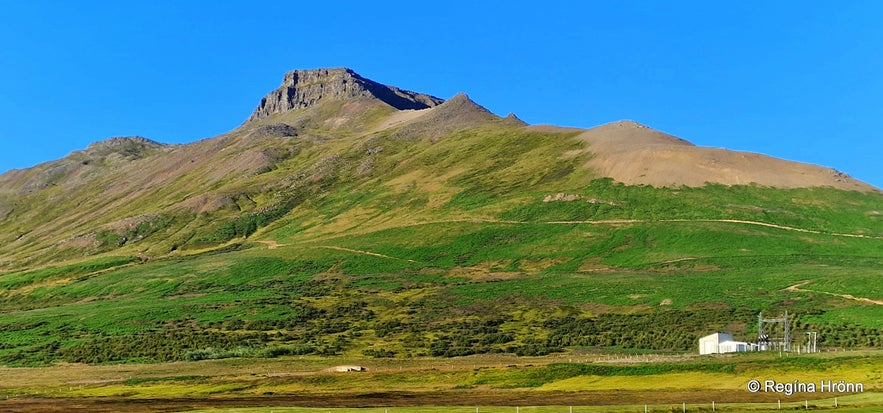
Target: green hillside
{"x": 333, "y": 230}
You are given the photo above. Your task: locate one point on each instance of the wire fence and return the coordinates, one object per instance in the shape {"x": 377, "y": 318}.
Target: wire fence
{"x": 711, "y": 406}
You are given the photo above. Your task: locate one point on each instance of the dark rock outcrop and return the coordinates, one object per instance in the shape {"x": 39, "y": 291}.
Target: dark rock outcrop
{"x": 304, "y": 88}
{"x": 275, "y": 130}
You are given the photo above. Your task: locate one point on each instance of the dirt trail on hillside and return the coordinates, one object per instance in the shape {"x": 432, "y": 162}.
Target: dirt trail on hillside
{"x": 786, "y": 228}
{"x": 644, "y": 221}
{"x": 373, "y": 254}
{"x": 730, "y": 221}
{"x": 466, "y": 220}
{"x": 797, "y": 288}
{"x": 272, "y": 244}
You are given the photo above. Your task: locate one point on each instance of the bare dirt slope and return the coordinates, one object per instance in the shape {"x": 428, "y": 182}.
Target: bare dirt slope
{"x": 634, "y": 154}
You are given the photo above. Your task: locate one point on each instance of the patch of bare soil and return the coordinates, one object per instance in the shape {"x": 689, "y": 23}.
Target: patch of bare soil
{"x": 271, "y": 244}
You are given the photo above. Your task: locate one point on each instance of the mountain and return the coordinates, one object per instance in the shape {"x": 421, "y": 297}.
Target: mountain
{"x": 300, "y": 132}
{"x": 346, "y": 216}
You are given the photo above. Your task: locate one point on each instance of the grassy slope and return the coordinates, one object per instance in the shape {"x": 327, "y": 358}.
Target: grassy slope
{"x": 391, "y": 243}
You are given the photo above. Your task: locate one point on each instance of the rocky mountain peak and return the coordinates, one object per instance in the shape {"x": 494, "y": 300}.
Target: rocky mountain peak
{"x": 304, "y": 88}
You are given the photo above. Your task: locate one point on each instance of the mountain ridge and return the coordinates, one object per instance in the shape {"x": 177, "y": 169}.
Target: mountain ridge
{"x": 348, "y": 137}
{"x": 303, "y": 89}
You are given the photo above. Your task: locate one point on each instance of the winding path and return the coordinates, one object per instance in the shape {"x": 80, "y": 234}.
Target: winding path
{"x": 645, "y": 221}
{"x": 797, "y": 288}
{"x": 373, "y": 254}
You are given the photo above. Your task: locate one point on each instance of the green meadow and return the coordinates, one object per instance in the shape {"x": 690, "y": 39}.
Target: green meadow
{"x": 484, "y": 266}
{"x": 655, "y": 275}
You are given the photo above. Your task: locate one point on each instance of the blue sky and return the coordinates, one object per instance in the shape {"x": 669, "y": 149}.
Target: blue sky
{"x": 796, "y": 80}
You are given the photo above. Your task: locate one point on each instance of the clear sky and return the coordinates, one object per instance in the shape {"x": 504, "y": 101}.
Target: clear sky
{"x": 800, "y": 80}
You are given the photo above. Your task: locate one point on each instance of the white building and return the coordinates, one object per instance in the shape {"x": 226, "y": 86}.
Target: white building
{"x": 722, "y": 343}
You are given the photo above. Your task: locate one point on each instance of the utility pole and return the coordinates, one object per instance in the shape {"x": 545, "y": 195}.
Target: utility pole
{"x": 812, "y": 341}
{"x": 772, "y": 338}
{"x": 787, "y": 332}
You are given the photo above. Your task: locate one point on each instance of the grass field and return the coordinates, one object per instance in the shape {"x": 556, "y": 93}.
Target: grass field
{"x": 493, "y": 383}
{"x": 463, "y": 287}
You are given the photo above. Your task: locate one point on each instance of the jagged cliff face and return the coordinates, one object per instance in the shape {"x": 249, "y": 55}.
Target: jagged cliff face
{"x": 304, "y": 88}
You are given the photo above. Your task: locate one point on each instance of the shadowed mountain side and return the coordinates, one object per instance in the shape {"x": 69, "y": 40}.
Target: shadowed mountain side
{"x": 635, "y": 154}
